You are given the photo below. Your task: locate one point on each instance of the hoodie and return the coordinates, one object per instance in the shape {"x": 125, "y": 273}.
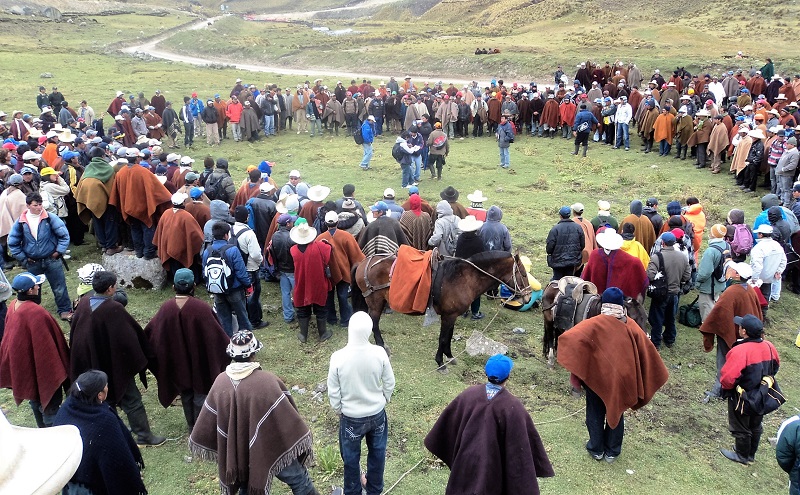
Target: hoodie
{"x": 445, "y": 230}
{"x": 695, "y": 214}
{"x": 783, "y": 231}
{"x": 636, "y": 207}
{"x": 494, "y": 234}
{"x": 360, "y": 376}
{"x": 220, "y": 212}
{"x": 768, "y": 201}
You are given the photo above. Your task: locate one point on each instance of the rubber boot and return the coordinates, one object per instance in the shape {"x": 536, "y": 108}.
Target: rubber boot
{"x": 302, "y": 335}
{"x": 685, "y": 149}
{"x": 678, "y": 153}
{"x": 577, "y": 146}
{"x": 141, "y": 427}
{"x": 741, "y": 452}
{"x": 753, "y": 447}
{"x": 585, "y": 149}
{"x": 649, "y": 146}
{"x": 322, "y": 328}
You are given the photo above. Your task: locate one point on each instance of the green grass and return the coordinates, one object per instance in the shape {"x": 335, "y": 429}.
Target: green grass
{"x": 670, "y": 445}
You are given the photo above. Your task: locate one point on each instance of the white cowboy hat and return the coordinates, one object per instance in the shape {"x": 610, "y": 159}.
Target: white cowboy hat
{"x": 469, "y": 224}
{"x": 609, "y": 239}
{"x": 282, "y": 206}
{"x": 477, "y": 196}
{"x": 37, "y": 461}
{"x": 703, "y": 113}
{"x": 303, "y": 234}
{"x": 757, "y": 134}
{"x": 318, "y": 193}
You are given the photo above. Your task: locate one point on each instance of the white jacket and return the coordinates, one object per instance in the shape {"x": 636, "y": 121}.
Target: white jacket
{"x": 766, "y": 259}
{"x": 624, "y": 113}
{"x": 248, "y": 243}
{"x": 53, "y": 196}
{"x": 360, "y": 377}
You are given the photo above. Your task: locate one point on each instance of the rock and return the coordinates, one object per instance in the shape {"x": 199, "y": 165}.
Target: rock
{"x": 518, "y": 330}
{"x": 481, "y": 344}
{"x": 321, "y": 387}
{"x": 136, "y": 272}
{"x": 46, "y": 75}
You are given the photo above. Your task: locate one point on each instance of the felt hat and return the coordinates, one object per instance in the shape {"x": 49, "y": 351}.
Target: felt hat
{"x": 469, "y": 224}
{"x": 243, "y": 344}
{"x": 774, "y": 112}
{"x": 703, "y": 113}
{"x": 450, "y": 194}
{"x": 718, "y": 231}
{"x": 498, "y": 367}
{"x": 477, "y": 196}
{"x": 318, "y": 193}
{"x": 609, "y": 239}
{"x": 37, "y": 461}
{"x": 757, "y": 134}
{"x": 284, "y": 205}
{"x": 303, "y": 234}
{"x": 26, "y": 281}
{"x": 87, "y": 271}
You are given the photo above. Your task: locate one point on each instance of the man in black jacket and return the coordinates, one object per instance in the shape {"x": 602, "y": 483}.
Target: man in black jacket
{"x": 210, "y": 116}
{"x": 565, "y": 243}
{"x": 281, "y": 258}
{"x": 651, "y": 212}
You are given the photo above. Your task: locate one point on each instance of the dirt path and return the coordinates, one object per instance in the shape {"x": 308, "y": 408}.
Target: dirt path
{"x": 295, "y": 16}
{"x": 150, "y": 48}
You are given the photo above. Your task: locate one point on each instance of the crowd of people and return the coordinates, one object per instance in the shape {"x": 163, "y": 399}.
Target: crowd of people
{"x": 61, "y": 173}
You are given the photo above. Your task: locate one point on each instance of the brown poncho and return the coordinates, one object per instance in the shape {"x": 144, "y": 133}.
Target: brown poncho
{"x": 417, "y": 227}
{"x": 616, "y": 360}
{"x": 260, "y": 410}
{"x": 719, "y": 138}
{"x": 137, "y": 193}
{"x": 189, "y": 346}
{"x": 179, "y": 237}
{"x": 736, "y": 300}
{"x": 644, "y": 232}
{"x": 491, "y": 446}
{"x": 740, "y": 154}
{"x": 550, "y": 114}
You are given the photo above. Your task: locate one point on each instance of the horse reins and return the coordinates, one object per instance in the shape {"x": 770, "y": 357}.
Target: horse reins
{"x": 517, "y": 291}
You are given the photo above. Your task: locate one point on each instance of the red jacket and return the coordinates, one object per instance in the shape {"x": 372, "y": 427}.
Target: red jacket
{"x": 234, "y": 112}
{"x": 747, "y": 362}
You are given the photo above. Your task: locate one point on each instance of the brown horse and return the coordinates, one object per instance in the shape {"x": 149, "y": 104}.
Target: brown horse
{"x": 456, "y": 283}
{"x": 634, "y": 308}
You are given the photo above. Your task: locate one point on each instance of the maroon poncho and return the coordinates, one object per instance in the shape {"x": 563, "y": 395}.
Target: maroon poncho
{"x": 34, "y": 357}
{"x": 490, "y": 446}
{"x": 617, "y": 269}
{"x": 189, "y": 346}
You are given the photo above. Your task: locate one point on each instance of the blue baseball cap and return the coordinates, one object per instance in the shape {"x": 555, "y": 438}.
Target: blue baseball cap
{"x": 379, "y": 206}
{"x": 69, "y": 155}
{"x": 668, "y": 238}
{"x": 413, "y": 190}
{"x": 498, "y": 367}
{"x": 25, "y": 281}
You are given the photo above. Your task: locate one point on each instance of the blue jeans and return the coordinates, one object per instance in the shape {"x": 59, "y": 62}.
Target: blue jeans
{"x": 367, "y": 155}
{"x": 54, "y": 271}
{"x": 378, "y": 125}
{"x": 408, "y": 174}
{"x": 295, "y": 475}
{"x": 351, "y": 432}
{"x": 425, "y": 153}
{"x": 287, "y": 287}
{"x": 505, "y": 158}
{"x": 664, "y": 147}
{"x": 603, "y": 440}
{"x": 662, "y": 314}
{"x": 536, "y": 128}
{"x": 46, "y": 414}
{"x": 269, "y": 125}
{"x": 227, "y": 305}
{"x": 316, "y": 126}
{"x": 106, "y": 229}
{"x": 416, "y": 162}
{"x": 254, "y": 312}
{"x": 142, "y": 236}
{"x": 342, "y": 293}
{"x": 623, "y": 135}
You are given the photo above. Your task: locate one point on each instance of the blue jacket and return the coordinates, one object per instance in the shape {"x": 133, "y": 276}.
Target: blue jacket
{"x": 52, "y": 236}
{"x": 584, "y": 116}
{"x": 235, "y": 261}
{"x": 196, "y": 106}
{"x": 367, "y": 132}
{"x": 787, "y": 451}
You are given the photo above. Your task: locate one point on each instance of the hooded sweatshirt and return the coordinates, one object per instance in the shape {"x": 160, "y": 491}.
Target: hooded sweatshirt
{"x": 220, "y": 212}
{"x": 494, "y": 234}
{"x": 360, "y": 377}
{"x": 445, "y": 230}
{"x": 775, "y": 217}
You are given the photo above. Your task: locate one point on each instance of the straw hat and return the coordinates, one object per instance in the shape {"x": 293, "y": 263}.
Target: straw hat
{"x": 37, "y": 461}
{"x": 469, "y": 224}
{"x": 477, "y": 196}
{"x": 318, "y": 193}
{"x": 303, "y": 234}
{"x": 609, "y": 239}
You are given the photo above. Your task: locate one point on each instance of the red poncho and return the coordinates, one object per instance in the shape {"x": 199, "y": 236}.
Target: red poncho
{"x": 310, "y": 284}
{"x": 34, "y": 357}
{"x": 617, "y": 269}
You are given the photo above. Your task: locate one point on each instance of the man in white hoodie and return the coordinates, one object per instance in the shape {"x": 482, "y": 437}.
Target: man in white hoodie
{"x": 360, "y": 384}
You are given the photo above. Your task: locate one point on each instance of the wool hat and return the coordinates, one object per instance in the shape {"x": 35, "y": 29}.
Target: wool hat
{"x": 303, "y": 234}
{"x": 196, "y": 192}
{"x": 613, "y": 295}
{"x": 183, "y": 279}
{"x": 564, "y": 211}
{"x": 718, "y": 231}
{"x": 243, "y": 345}
{"x": 792, "y": 140}
{"x": 668, "y": 238}
{"x": 751, "y": 324}
{"x": 673, "y": 208}
{"x": 498, "y": 367}
{"x": 25, "y": 281}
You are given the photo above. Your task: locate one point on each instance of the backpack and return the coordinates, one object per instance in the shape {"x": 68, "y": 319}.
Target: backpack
{"x": 214, "y": 188}
{"x": 398, "y": 153}
{"x": 659, "y": 286}
{"x": 719, "y": 270}
{"x": 217, "y": 271}
{"x": 358, "y": 137}
{"x": 235, "y": 241}
{"x": 439, "y": 142}
{"x": 742, "y": 241}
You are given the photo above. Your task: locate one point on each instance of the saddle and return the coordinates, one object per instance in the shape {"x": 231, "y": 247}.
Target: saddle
{"x": 571, "y": 303}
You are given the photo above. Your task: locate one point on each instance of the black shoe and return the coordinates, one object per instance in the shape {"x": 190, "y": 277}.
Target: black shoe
{"x": 477, "y": 316}
{"x": 150, "y": 440}
{"x": 260, "y": 324}
{"x": 325, "y": 336}
{"x": 734, "y": 456}
{"x": 669, "y": 344}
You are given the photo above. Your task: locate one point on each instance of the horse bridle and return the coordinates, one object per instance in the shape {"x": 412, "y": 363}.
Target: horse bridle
{"x": 516, "y": 291}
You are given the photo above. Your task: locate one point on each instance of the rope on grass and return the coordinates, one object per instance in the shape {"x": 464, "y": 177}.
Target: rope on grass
{"x": 540, "y": 423}
{"x": 403, "y": 476}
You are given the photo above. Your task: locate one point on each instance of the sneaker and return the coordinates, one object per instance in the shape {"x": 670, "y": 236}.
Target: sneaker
{"x": 335, "y": 490}
{"x": 596, "y": 457}
{"x": 610, "y": 458}
{"x": 477, "y": 316}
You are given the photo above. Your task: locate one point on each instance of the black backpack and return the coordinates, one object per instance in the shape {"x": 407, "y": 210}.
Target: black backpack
{"x": 398, "y": 152}
{"x": 213, "y": 187}
{"x": 358, "y": 137}
{"x": 659, "y": 286}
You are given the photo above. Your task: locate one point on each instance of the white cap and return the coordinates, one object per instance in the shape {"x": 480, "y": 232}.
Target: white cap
{"x": 133, "y": 153}
{"x": 186, "y": 160}
{"x": 331, "y": 217}
{"x": 30, "y": 155}
{"x": 388, "y": 193}
{"x": 295, "y": 173}
{"x": 266, "y": 187}
{"x": 179, "y": 198}
{"x": 51, "y": 134}
{"x": 119, "y": 93}
{"x": 173, "y": 157}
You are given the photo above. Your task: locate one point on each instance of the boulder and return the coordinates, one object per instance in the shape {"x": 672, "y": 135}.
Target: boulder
{"x": 136, "y": 272}
{"x": 478, "y": 343}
